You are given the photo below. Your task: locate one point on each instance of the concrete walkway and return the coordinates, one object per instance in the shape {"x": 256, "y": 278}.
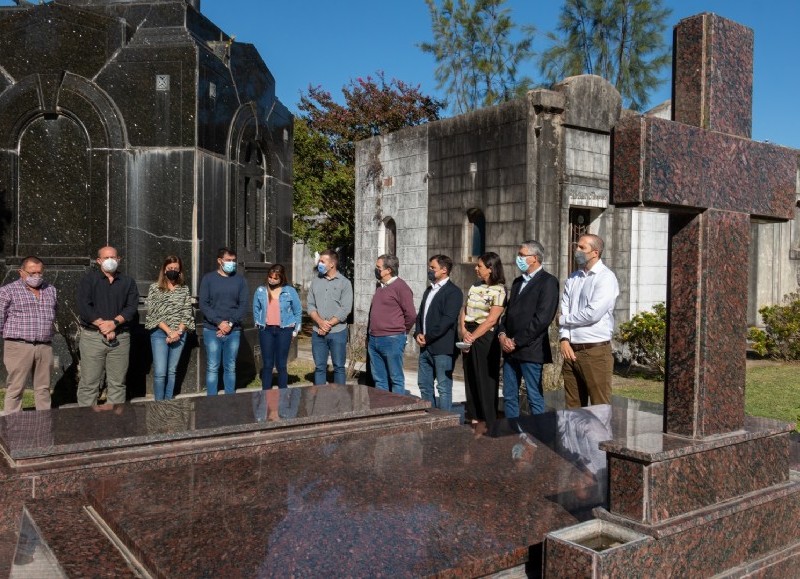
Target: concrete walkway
{"x": 410, "y": 367}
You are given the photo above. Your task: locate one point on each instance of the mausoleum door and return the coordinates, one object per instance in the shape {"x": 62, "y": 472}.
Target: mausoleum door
{"x": 54, "y": 209}
{"x": 253, "y": 241}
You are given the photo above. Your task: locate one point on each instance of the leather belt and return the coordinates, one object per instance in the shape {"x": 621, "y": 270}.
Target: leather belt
{"x": 31, "y": 342}
{"x": 579, "y": 347}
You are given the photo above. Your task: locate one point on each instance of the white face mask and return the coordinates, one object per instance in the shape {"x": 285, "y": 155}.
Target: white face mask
{"x": 110, "y": 265}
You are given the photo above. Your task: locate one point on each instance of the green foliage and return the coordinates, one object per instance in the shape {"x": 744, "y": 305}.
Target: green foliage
{"x": 780, "y": 338}
{"x": 324, "y": 150}
{"x": 620, "y": 40}
{"x": 645, "y": 335}
{"x": 477, "y": 63}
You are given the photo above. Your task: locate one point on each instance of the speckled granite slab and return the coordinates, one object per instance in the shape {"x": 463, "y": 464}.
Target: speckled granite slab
{"x": 407, "y": 505}
{"x": 55, "y": 434}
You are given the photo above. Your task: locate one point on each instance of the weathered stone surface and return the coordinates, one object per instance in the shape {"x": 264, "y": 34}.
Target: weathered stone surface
{"x": 144, "y": 126}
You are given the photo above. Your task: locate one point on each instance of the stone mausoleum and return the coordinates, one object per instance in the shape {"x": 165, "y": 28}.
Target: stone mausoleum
{"x": 138, "y": 124}
{"x": 532, "y": 168}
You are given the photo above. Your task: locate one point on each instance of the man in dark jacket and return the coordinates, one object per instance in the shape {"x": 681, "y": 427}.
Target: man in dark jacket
{"x": 532, "y": 305}
{"x": 436, "y": 332}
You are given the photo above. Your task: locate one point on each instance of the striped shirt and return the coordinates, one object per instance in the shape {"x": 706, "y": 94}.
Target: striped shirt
{"x": 480, "y": 299}
{"x": 23, "y": 316}
{"x": 171, "y": 307}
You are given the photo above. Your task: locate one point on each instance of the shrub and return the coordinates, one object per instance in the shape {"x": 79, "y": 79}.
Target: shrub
{"x": 645, "y": 336}
{"x": 780, "y": 338}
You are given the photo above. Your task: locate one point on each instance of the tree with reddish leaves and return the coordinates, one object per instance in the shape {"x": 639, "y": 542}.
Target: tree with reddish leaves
{"x": 324, "y": 151}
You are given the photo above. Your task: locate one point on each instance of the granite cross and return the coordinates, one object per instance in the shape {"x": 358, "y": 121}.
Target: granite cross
{"x": 703, "y": 168}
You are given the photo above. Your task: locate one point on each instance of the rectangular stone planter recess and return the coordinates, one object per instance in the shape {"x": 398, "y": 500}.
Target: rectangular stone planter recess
{"x": 586, "y": 549}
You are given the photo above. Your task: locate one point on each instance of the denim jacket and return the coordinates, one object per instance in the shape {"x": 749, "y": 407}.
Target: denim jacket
{"x": 291, "y": 310}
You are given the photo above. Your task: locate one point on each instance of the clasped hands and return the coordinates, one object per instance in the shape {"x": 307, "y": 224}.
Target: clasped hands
{"x": 224, "y": 328}
{"x": 323, "y": 327}
{"x": 507, "y": 344}
{"x": 174, "y": 336}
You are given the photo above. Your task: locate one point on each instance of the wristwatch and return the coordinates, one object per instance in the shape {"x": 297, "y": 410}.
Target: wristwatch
{"x": 230, "y": 324}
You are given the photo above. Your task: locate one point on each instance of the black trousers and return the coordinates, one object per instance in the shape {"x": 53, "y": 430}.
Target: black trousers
{"x": 482, "y": 376}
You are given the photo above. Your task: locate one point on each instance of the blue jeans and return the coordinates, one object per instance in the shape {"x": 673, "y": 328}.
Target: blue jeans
{"x": 439, "y": 367}
{"x": 275, "y": 343}
{"x": 386, "y": 362}
{"x": 321, "y": 346}
{"x": 224, "y": 349}
{"x": 165, "y": 363}
{"x": 531, "y": 372}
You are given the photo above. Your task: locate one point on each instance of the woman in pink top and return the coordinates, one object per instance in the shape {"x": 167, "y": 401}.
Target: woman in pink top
{"x": 277, "y": 314}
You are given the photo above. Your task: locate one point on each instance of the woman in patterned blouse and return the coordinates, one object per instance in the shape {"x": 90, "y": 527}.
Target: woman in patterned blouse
{"x": 169, "y": 317}
{"x": 486, "y": 301}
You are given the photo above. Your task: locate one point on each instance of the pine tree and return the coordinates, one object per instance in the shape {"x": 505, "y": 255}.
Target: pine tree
{"x": 620, "y": 40}
{"x": 477, "y": 62}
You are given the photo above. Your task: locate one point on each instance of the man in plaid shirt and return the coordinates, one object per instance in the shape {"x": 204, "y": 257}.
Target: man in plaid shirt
{"x": 27, "y": 311}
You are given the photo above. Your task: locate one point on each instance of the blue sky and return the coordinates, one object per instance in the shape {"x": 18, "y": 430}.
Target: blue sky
{"x": 324, "y": 42}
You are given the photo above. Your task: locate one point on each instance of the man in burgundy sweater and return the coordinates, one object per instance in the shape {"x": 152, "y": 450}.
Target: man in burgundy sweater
{"x": 391, "y": 316}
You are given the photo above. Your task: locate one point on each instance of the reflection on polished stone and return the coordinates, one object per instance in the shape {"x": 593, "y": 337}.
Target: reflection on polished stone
{"x": 402, "y": 504}
{"x": 33, "y": 557}
{"x": 72, "y": 430}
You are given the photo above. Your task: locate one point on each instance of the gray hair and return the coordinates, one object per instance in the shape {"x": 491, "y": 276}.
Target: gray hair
{"x": 534, "y": 248}
{"x": 391, "y": 262}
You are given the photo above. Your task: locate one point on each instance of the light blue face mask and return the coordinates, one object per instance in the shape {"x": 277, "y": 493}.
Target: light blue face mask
{"x": 522, "y": 264}
{"x": 321, "y": 268}
{"x": 229, "y": 267}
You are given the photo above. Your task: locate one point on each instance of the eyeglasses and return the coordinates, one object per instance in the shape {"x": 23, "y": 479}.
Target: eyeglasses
{"x": 526, "y": 254}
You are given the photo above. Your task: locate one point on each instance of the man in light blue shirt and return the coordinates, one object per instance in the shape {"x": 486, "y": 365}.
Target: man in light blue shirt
{"x": 587, "y": 325}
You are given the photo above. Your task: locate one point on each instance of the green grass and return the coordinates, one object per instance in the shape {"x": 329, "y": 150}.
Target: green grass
{"x": 27, "y": 398}
{"x": 771, "y": 391}
{"x": 300, "y": 372}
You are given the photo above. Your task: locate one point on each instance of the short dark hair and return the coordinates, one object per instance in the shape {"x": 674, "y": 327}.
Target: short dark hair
{"x": 391, "y": 262}
{"x": 491, "y": 260}
{"x": 334, "y": 257}
{"x": 443, "y": 261}
{"x": 223, "y": 251}
{"x": 281, "y": 271}
{"x": 31, "y": 259}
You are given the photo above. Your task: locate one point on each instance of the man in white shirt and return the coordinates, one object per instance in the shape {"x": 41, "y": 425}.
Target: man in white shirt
{"x": 587, "y": 325}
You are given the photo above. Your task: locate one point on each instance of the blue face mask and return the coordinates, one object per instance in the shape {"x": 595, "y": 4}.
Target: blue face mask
{"x": 229, "y": 267}
{"x": 522, "y": 264}
{"x": 321, "y": 268}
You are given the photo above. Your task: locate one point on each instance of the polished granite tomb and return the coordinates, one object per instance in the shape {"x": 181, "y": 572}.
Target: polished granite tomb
{"x": 428, "y": 498}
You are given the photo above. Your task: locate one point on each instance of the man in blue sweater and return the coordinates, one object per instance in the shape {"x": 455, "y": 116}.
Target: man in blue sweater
{"x": 224, "y": 299}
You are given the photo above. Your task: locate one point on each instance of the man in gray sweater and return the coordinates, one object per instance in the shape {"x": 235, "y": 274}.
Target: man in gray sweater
{"x": 330, "y": 300}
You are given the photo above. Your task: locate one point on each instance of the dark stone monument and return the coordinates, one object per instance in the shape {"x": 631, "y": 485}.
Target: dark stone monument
{"x": 143, "y": 126}
{"x": 714, "y": 492}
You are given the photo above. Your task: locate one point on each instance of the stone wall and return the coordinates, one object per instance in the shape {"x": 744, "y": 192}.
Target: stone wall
{"x": 143, "y": 126}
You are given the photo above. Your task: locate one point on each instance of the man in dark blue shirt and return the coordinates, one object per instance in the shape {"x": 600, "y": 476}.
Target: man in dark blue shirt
{"x": 107, "y": 302}
{"x": 224, "y": 298}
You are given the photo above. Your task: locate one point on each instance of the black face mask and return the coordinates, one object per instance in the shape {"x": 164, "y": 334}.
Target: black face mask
{"x": 172, "y": 275}
{"x": 377, "y": 274}
{"x": 431, "y": 276}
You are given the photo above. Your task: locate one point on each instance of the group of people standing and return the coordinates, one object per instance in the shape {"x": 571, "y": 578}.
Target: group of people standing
{"x": 107, "y": 302}
{"x": 514, "y": 324}
{"x": 491, "y": 322}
